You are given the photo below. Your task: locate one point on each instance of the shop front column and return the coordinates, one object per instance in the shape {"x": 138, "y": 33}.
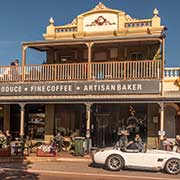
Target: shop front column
{"x": 162, "y": 133}
{"x": 22, "y": 120}
{"x": 49, "y": 122}
{"x": 88, "y": 122}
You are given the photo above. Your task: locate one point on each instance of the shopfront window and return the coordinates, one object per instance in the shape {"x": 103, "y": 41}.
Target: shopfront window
{"x": 70, "y": 119}
{"x": 107, "y": 120}
{"x": 36, "y": 121}
{"x": 36, "y": 125}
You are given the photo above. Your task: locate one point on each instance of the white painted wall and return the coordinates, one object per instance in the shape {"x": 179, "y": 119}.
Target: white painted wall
{"x": 170, "y": 86}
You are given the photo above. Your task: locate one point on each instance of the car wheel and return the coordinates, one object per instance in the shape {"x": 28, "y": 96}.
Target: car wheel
{"x": 115, "y": 162}
{"x": 172, "y": 166}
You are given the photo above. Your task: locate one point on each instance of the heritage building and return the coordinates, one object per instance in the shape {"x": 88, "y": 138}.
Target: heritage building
{"x": 103, "y": 72}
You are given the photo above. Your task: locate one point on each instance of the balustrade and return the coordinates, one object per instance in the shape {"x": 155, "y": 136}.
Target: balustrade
{"x": 146, "y": 69}
{"x": 142, "y": 23}
{"x": 10, "y": 73}
{"x": 65, "y": 29}
{"x": 172, "y": 72}
{"x": 126, "y": 70}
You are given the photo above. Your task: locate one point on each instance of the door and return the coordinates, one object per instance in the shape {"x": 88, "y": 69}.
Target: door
{"x": 103, "y": 130}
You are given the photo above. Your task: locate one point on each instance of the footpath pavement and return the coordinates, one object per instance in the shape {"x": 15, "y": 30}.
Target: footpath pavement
{"x": 62, "y": 156}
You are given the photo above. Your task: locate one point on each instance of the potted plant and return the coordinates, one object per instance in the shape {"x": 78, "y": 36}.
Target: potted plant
{"x": 4, "y": 149}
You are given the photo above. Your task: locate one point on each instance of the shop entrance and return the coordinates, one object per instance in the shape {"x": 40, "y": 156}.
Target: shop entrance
{"x": 14, "y": 120}
{"x": 108, "y": 119}
{"x": 103, "y": 128}
{"x": 35, "y": 121}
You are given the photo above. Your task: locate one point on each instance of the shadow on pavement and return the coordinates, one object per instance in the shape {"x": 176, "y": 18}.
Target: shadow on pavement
{"x": 93, "y": 165}
{"x": 16, "y": 171}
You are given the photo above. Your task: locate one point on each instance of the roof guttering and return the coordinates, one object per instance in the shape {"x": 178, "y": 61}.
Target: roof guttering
{"x": 35, "y": 44}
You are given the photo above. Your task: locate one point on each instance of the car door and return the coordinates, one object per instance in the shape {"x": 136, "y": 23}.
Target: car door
{"x": 135, "y": 159}
{"x": 154, "y": 160}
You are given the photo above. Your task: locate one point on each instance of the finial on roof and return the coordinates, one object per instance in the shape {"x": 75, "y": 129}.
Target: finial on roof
{"x": 155, "y": 12}
{"x": 51, "y": 21}
{"x": 100, "y": 6}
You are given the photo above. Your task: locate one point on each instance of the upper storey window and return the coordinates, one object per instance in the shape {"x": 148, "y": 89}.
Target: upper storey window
{"x": 137, "y": 56}
{"x": 100, "y": 56}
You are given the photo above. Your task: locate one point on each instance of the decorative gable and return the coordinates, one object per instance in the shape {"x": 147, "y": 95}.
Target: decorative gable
{"x": 103, "y": 21}
{"x": 100, "y": 22}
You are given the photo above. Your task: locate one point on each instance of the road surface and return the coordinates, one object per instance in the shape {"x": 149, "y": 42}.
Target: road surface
{"x": 75, "y": 171}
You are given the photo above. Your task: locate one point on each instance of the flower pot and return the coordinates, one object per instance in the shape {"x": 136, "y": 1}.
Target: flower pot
{"x": 4, "y": 152}
{"x": 41, "y": 153}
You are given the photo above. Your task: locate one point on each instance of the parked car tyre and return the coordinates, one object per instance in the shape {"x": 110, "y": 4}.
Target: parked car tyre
{"x": 115, "y": 162}
{"x": 172, "y": 166}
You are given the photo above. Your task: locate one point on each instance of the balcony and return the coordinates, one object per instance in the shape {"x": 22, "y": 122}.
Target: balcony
{"x": 121, "y": 70}
{"x": 172, "y": 73}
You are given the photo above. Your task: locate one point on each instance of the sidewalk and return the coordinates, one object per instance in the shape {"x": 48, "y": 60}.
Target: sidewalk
{"x": 62, "y": 156}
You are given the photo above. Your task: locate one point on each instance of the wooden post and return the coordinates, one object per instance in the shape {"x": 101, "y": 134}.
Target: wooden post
{"x": 89, "y": 45}
{"x": 22, "y": 120}
{"x": 23, "y": 62}
{"x": 88, "y": 122}
{"x": 162, "y": 65}
{"x": 161, "y": 124}
{"x": 162, "y": 117}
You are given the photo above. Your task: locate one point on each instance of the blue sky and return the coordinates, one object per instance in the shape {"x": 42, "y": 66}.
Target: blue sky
{"x": 26, "y": 20}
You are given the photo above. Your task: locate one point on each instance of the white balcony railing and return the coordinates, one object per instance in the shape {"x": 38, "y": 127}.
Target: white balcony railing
{"x": 172, "y": 72}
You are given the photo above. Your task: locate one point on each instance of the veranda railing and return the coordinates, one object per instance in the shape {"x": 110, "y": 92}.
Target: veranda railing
{"x": 146, "y": 69}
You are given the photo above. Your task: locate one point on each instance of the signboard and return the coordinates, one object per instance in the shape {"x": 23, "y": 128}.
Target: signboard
{"x": 81, "y": 88}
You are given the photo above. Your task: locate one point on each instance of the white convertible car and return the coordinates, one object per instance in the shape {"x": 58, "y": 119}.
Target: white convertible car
{"x": 114, "y": 159}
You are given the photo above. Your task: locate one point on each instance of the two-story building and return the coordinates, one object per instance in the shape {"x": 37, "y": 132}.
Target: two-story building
{"x": 104, "y": 71}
